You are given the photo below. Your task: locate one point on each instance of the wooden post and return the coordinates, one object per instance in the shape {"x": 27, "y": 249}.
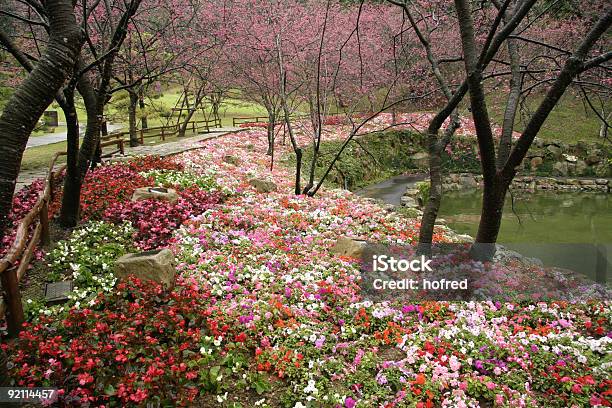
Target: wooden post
{"x": 121, "y": 147}
{"x": 12, "y": 298}
{"x": 141, "y": 136}
{"x": 163, "y": 135}
{"x": 51, "y": 186}
{"x": 45, "y": 236}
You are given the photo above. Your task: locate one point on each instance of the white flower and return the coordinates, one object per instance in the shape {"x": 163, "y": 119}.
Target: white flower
{"x": 310, "y": 388}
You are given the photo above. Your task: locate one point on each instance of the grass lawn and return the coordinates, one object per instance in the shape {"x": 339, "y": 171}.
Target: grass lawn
{"x": 40, "y": 156}
{"x": 569, "y": 122}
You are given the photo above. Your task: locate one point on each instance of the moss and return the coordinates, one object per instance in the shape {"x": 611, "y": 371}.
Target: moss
{"x": 366, "y": 160}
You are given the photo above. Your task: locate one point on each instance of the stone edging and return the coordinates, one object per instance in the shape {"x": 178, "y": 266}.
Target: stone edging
{"x": 464, "y": 181}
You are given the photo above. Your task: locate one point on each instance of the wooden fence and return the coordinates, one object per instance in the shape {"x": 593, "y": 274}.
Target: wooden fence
{"x": 16, "y": 261}
{"x": 263, "y": 119}
{"x": 162, "y": 132}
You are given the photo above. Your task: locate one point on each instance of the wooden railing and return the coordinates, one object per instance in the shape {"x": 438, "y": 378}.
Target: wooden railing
{"x": 118, "y": 138}
{"x": 263, "y": 119}
{"x": 16, "y": 261}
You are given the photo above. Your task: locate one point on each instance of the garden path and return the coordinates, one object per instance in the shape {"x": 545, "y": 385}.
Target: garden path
{"x": 167, "y": 149}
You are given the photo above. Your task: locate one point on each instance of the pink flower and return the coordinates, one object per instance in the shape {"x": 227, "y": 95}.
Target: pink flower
{"x": 85, "y": 378}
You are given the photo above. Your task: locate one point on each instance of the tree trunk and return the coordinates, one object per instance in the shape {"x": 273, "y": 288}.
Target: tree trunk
{"x": 270, "y": 130}
{"x": 71, "y": 198}
{"x": 185, "y": 124}
{"x": 34, "y": 95}
{"x": 91, "y": 140}
{"x": 493, "y": 200}
{"x": 132, "y": 118}
{"x": 430, "y": 212}
{"x": 144, "y": 122}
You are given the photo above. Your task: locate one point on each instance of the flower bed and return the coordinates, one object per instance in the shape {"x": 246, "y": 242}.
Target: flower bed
{"x": 265, "y": 314}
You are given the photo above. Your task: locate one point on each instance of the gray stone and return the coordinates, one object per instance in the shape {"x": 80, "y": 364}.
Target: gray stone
{"x": 155, "y": 193}
{"x": 410, "y": 202}
{"x": 346, "y": 246}
{"x": 594, "y": 157}
{"x": 412, "y": 192}
{"x": 554, "y": 150}
{"x": 468, "y": 182}
{"x": 156, "y": 266}
{"x": 231, "y": 160}
{"x": 560, "y": 169}
{"x": 539, "y": 143}
{"x": 263, "y": 186}
{"x": 602, "y": 182}
{"x": 587, "y": 182}
{"x": 581, "y": 168}
{"x": 421, "y": 159}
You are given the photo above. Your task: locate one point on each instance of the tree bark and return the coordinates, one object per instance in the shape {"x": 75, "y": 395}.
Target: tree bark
{"x": 69, "y": 213}
{"x": 144, "y": 122}
{"x": 132, "y": 118}
{"x": 34, "y": 95}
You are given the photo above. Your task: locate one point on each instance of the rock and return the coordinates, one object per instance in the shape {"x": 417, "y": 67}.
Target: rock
{"x": 410, "y": 202}
{"x": 421, "y": 160}
{"x": 155, "y": 193}
{"x": 231, "y": 160}
{"x": 594, "y": 157}
{"x": 536, "y": 162}
{"x": 263, "y": 186}
{"x": 580, "y": 149}
{"x": 570, "y": 158}
{"x": 539, "y": 143}
{"x": 581, "y": 168}
{"x": 411, "y": 192}
{"x": 602, "y": 182}
{"x": 156, "y": 266}
{"x": 560, "y": 169}
{"x": 349, "y": 247}
{"x": 554, "y": 150}
{"x": 468, "y": 182}
{"x": 587, "y": 182}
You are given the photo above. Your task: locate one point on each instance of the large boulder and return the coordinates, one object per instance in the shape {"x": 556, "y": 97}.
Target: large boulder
{"x": 409, "y": 202}
{"x": 155, "y": 193}
{"x": 156, "y": 266}
{"x": 346, "y": 246}
{"x": 581, "y": 168}
{"x": 421, "y": 160}
{"x": 263, "y": 186}
{"x": 554, "y": 150}
{"x": 560, "y": 169}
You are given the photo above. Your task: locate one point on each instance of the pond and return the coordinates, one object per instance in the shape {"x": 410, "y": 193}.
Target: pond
{"x": 568, "y": 230}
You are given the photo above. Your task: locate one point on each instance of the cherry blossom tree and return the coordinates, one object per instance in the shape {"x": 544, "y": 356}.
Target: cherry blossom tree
{"x": 500, "y": 165}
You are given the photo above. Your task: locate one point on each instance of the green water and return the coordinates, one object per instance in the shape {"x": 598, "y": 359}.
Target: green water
{"x": 567, "y": 230}
{"x": 540, "y": 217}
